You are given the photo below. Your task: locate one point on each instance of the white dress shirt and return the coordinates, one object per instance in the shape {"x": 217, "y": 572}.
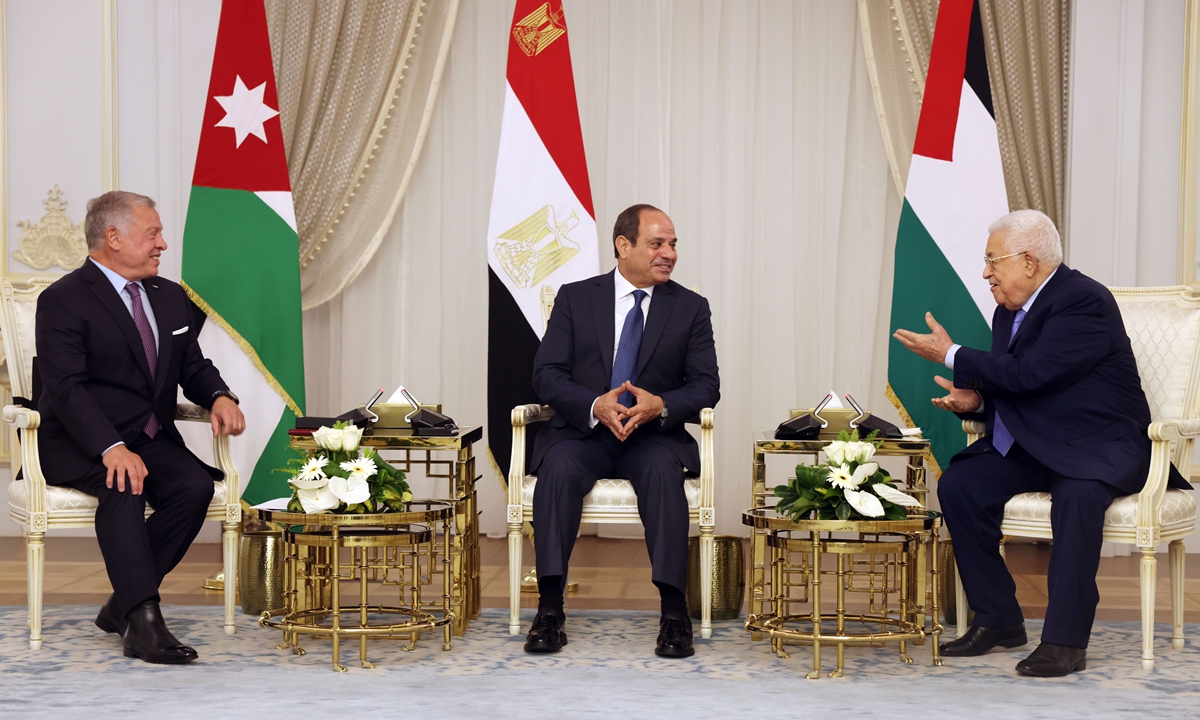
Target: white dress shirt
{"x": 623, "y": 290}
{"x": 118, "y": 284}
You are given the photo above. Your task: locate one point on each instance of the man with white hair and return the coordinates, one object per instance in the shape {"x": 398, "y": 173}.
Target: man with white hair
{"x": 1065, "y": 414}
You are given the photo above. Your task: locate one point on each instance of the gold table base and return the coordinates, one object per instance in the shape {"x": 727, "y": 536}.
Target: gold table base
{"x": 882, "y": 563}
{"x": 391, "y": 549}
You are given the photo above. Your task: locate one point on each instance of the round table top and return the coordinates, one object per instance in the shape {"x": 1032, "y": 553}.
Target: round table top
{"x": 419, "y": 511}
{"x": 765, "y": 518}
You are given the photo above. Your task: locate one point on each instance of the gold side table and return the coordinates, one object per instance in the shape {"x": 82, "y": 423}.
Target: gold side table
{"x": 398, "y": 549}
{"x": 762, "y": 494}
{"x": 881, "y": 563}
{"x": 452, "y": 460}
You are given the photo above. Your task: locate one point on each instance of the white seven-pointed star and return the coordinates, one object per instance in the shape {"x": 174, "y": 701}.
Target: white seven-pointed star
{"x": 245, "y": 111}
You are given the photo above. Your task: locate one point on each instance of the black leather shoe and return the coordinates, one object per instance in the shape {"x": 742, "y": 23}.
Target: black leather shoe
{"x": 147, "y": 638}
{"x": 109, "y": 618}
{"x": 978, "y": 640}
{"x": 675, "y": 636}
{"x": 546, "y": 635}
{"x": 1050, "y": 660}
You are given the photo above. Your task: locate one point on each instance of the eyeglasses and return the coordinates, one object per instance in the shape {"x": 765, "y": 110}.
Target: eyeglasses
{"x": 991, "y": 261}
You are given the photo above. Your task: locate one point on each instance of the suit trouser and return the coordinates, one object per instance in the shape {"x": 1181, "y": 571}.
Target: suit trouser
{"x": 973, "y": 491}
{"x": 568, "y": 472}
{"x": 138, "y": 551}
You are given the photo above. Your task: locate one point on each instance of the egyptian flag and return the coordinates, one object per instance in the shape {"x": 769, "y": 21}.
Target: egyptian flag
{"x": 955, "y": 190}
{"x": 240, "y": 252}
{"x": 542, "y": 228}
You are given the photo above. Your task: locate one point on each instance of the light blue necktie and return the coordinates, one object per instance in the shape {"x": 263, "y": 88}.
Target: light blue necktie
{"x": 625, "y": 364}
{"x": 1002, "y": 439}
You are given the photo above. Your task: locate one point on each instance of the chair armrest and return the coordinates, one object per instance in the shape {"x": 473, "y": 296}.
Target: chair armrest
{"x": 1162, "y": 435}
{"x": 974, "y": 430}
{"x": 1189, "y": 428}
{"x": 31, "y": 464}
{"x": 707, "y": 469}
{"x": 522, "y": 415}
{"x": 188, "y": 412}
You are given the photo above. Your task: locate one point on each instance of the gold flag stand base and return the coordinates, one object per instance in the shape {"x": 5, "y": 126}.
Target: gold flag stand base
{"x": 215, "y": 582}
{"x": 529, "y": 583}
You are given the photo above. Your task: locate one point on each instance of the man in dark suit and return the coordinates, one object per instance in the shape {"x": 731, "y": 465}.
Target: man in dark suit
{"x": 114, "y": 343}
{"x": 1065, "y": 414}
{"x": 627, "y": 357}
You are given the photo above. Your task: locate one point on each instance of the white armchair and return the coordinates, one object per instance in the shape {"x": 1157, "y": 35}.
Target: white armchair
{"x": 610, "y": 501}
{"x": 1164, "y": 327}
{"x": 39, "y": 507}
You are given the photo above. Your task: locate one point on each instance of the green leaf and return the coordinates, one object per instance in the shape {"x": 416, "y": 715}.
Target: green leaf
{"x": 894, "y": 512}
{"x": 843, "y": 511}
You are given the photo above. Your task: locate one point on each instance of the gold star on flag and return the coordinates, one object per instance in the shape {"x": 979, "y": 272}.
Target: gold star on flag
{"x": 245, "y": 111}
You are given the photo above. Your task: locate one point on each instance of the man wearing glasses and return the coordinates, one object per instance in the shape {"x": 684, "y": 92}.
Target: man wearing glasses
{"x": 1065, "y": 414}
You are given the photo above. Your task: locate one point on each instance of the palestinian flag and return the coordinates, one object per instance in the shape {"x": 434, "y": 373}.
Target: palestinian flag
{"x": 542, "y": 228}
{"x": 240, "y": 252}
{"x": 955, "y": 190}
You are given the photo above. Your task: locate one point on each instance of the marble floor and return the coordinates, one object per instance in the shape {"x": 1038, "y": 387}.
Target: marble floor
{"x": 613, "y": 575}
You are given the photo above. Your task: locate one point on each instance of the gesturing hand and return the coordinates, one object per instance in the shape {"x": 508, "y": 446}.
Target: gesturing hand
{"x": 959, "y": 400}
{"x": 609, "y": 411}
{"x": 932, "y": 347}
{"x": 226, "y": 417}
{"x": 123, "y": 463}
{"x": 647, "y": 408}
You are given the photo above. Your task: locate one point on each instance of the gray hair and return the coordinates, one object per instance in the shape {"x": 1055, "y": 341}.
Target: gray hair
{"x": 1030, "y": 231}
{"x": 112, "y": 209}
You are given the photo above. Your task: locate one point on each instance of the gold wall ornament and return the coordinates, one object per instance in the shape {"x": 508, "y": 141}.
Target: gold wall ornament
{"x": 539, "y": 247}
{"x": 52, "y": 240}
{"x": 538, "y": 29}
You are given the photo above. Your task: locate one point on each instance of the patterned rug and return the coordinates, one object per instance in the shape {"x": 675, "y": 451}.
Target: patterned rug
{"x": 608, "y": 669}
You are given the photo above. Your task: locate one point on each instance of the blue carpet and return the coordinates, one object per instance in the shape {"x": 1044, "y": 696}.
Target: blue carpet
{"x": 608, "y": 669}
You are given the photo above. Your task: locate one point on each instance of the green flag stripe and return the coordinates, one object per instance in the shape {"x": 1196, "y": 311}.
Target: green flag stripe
{"x": 926, "y": 282}
{"x": 266, "y": 484}
{"x": 242, "y": 260}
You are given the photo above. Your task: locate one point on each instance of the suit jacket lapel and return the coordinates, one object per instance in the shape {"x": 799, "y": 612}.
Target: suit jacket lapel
{"x": 660, "y": 311}
{"x": 109, "y": 298}
{"x": 164, "y": 334}
{"x": 604, "y": 305}
{"x": 1041, "y": 303}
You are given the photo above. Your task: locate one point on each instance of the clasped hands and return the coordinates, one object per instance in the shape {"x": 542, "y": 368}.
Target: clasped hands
{"x": 933, "y": 347}
{"x": 124, "y": 464}
{"x": 623, "y": 420}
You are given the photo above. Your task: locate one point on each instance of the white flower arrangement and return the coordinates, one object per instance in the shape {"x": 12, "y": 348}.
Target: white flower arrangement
{"x": 848, "y": 486}
{"x": 341, "y": 476}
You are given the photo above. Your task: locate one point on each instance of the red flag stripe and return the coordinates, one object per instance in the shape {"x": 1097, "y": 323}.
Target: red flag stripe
{"x": 944, "y": 81}
{"x": 545, "y": 85}
{"x": 243, "y": 50}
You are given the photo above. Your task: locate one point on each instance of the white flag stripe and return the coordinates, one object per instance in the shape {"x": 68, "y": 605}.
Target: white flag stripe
{"x": 262, "y": 406}
{"x": 281, "y": 202}
{"x": 527, "y": 180}
{"x": 957, "y": 201}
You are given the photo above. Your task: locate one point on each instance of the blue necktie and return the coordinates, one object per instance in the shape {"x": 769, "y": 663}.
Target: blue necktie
{"x": 625, "y": 364}
{"x": 1002, "y": 439}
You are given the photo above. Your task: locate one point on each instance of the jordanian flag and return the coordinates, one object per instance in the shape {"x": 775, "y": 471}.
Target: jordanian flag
{"x": 542, "y": 229}
{"x": 955, "y": 190}
{"x": 240, "y": 251}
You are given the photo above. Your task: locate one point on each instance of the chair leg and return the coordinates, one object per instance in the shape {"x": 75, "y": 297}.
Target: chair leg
{"x": 514, "y": 579}
{"x": 1177, "y": 563}
{"x": 706, "y": 581}
{"x": 35, "y": 567}
{"x": 1149, "y": 567}
{"x": 960, "y": 602}
{"x": 229, "y": 547}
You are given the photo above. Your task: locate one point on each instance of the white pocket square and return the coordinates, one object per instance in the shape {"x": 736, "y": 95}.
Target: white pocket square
{"x": 181, "y": 330}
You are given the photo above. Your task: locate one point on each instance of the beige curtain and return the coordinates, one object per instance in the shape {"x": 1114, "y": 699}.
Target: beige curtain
{"x": 357, "y": 83}
{"x": 1028, "y": 49}
{"x": 1027, "y": 45}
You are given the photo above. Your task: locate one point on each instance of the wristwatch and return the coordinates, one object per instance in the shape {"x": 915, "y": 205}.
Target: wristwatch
{"x": 226, "y": 393}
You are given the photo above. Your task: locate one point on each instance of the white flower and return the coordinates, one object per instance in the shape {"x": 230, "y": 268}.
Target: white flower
{"x": 836, "y": 452}
{"x": 859, "y": 451}
{"x": 328, "y": 438}
{"x": 841, "y": 477}
{"x": 317, "y": 499}
{"x": 360, "y": 465}
{"x": 351, "y": 490}
{"x": 894, "y": 496}
{"x": 312, "y": 471}
{"x": 864, "y": 502}
{"x": 351, "y": 435}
